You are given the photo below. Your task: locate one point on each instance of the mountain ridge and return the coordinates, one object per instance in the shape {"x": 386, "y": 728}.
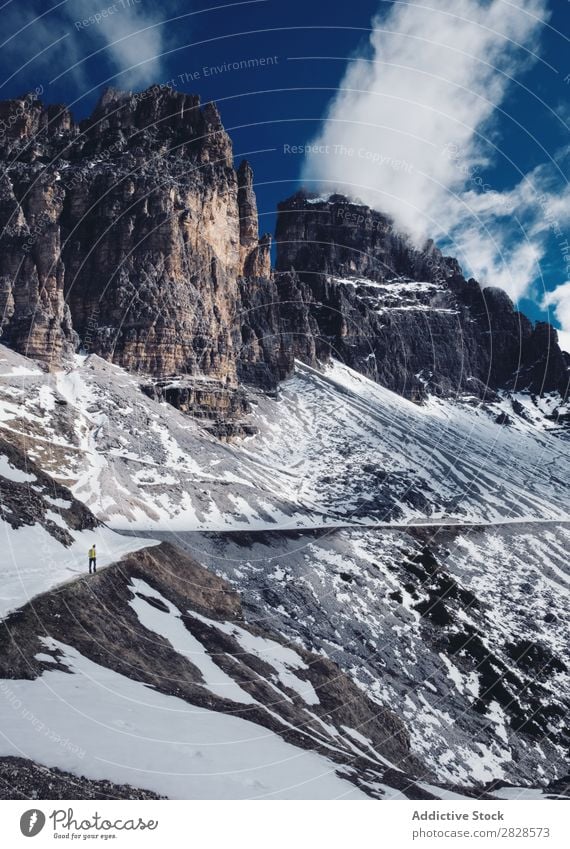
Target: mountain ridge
{"x": 193, "y": 292}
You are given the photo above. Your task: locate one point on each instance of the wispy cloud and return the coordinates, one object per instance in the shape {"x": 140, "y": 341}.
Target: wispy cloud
{"x": 503, "y": 237}
{"x": 124, "y": 39}
{"x": 129, "y": 35}
{"x": 559, "y": 301}
{"x": 414, "y": 127}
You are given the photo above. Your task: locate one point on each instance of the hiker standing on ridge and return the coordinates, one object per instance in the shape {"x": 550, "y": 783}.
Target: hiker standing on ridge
{"x": 92, "y": 559}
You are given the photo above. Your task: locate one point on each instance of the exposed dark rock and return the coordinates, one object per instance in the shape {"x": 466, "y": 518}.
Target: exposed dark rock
{"x": 28, "y": 502}
{"x": 534, "y": 658}
{"x": 204, "y": 399}
{"x": 228, "y": 430}
{"x": 101, "y": 624}
{"x": 503, "y": 419}
{"x": 23, "y": 779}
{"x": 447, "y": 335}
{"x": 561, "y": 787}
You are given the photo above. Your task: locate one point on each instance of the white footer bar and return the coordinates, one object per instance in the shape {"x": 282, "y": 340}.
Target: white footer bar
{"x": 291, "y": 825}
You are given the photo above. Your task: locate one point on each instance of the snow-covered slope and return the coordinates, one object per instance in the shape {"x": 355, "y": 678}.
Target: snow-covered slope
{"x": 361, "y": 452}
{"x": 121, "y": 730}
{"x": 154, "y": 678}
{"x": 335, "y": 447}
{"x": 133, "y": 461}
{"x": 463, "y": 632}
{"x": 421, "y": 548}
{"x": 33, "y": 561}
{"x": 45, "y": 533}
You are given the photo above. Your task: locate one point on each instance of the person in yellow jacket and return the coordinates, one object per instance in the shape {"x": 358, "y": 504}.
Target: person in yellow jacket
{"x": 92, "y": 559}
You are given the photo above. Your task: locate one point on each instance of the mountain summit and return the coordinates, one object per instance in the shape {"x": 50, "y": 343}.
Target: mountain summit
{"x": 132, "y": 236}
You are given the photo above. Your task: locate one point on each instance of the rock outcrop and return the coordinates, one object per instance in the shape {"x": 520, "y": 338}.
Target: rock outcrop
{"x": 255, "y": 256}
{"x": 406, "y": 317}
{"x": 21, "y": 778}
{"x": 28, "y": 495}
{"x": 35, "y": 319}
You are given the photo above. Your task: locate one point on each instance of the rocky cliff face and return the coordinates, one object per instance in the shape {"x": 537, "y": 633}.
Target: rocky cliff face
{"x": 35, "y": 317}
{"x": 134, "y": 229}
{"x": 132, "y": 236}
{"x": 405, "y": 317}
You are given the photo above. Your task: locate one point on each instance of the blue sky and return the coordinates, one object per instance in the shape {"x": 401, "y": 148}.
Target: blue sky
{"x": 449, "y": 114}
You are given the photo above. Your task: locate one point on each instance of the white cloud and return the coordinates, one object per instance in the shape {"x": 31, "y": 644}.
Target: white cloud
{"x": 502, "y": 237}
{"x": 129, "y": 34}
{"x": 413, "y": 126}
{"x": 559, "y": 300}
{"x": 56, "y": 44}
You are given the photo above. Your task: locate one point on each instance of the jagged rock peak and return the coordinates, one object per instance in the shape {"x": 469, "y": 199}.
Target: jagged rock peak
{"x": 161, "y": 114}
{"x": 248, "y": 221}
{"x": 125, "y": 107}
{"x": 133, "y": 237}
{"x": 255, "y": 253}
{"x": 110, "y": 97}
{"x": 157, "y": 120}
{"x": 25, "y": 119}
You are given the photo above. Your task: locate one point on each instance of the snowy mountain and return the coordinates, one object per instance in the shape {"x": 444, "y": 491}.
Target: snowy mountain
{"x": 330, "y": 499}
{"x": 416, "y": 534}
